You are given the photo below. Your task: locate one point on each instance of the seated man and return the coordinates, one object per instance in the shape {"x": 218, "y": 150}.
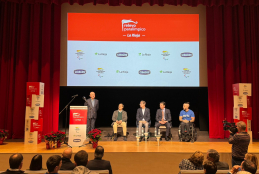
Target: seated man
{"x": 15, "y": 162}
{"x": 163, "y": 117}
{"x": 213, "y": 156}
{"x": 98, "y": 163}
{"x": 119, "y": 117}
{"x": 66, "y": 160}
{"x": 186, "y": 117}
{"x": 81, "y": 160}
{"x": 209, "y": 167}
{"x": 54, "y": 163}
{"x": 143, "y": 117}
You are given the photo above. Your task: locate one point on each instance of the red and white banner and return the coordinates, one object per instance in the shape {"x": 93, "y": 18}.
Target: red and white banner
{"x": 241, "y": 89}
{"x": 243, "y": 101}
{"x": 242, "y": 113}
{"x": 35, "y": 100}
{"x": 34, "y": 113}
{"x": 36, "y": 88}
{"x": 77, "y": 125}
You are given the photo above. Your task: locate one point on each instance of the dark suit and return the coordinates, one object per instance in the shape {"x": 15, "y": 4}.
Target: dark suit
{"x": 167, "y": 115}
{"x": 92, "y": 113}
{"x": 222, "y": 165}
{"x": 67, "y": 164}
{"x": 140, "y": 117}
{"x": 99, "y": 164}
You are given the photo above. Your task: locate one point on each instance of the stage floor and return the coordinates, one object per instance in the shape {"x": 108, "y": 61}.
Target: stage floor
{"x": 129, "y": 146}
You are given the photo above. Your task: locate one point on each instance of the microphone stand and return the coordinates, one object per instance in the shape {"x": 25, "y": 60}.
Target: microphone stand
{"x": 65, "y": 108}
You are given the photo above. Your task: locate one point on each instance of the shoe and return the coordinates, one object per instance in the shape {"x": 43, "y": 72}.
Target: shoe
{"x": 161, "y": 139}
{"x": 90, "y": 142}
{"x": 125, "y": 138}
{"x": 115, "y": 137}
{"x": 140, "y": 139}
{"x": 167, "y": 138}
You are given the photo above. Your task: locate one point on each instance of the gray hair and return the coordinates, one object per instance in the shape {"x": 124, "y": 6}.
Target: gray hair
{"x": 213, "y": 154}
{"x": 242, "y": 125}
{"x": 142, "y": 101}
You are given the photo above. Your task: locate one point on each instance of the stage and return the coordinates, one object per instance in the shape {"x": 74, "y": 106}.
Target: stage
{"x": 126, "y": 156}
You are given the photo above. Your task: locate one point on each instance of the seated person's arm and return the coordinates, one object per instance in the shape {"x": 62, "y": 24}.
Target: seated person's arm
{"x": 192, "y": 117}
{"x": 180, "y": 118}
{"x": 169, "y": 117}
{"x": 157, "y": 116}
{"x": 114, "y": 117}
{"x": 125, "y": 118}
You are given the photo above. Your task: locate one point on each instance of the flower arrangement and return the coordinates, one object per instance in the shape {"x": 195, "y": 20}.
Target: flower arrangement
{"x": 95, "y": 136}
{"x": 54, "y": 139}
{"x": 3, "y": 135}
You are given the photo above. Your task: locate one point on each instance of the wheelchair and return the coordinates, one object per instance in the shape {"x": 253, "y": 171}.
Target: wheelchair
{"x": 187, "y": 137}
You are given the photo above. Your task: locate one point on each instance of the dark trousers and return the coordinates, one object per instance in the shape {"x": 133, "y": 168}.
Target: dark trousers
{"x": 187, "y": 125}
{"x": 90, "y": 124}
{"x": 167, "y": 125}
{"x": 236, "y": 161}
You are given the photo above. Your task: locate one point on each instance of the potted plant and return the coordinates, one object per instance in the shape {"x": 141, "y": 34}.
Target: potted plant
{"x": 95, "y": 136}
{"x": 3, "y": 135}
{"x": 54, "y": 139}
{"x": 60, "y": 137}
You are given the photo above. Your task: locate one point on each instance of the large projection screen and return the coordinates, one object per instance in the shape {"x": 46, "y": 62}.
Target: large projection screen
{"x": 104, "y": 47}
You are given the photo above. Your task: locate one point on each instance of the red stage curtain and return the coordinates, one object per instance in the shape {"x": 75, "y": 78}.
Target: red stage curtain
{"x": 30, "y": 51}
{"x": 192, "y": 3}
{"x": 233, "y": 57}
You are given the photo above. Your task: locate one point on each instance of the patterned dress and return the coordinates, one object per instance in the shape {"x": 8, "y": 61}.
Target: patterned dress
{"x": 186, "y": 164}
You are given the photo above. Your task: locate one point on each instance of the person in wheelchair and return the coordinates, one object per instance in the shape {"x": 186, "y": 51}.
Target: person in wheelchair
{"x": 186, "y": 118}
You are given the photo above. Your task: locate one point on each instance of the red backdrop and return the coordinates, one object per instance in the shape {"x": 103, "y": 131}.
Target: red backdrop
{"x": 30, "y": 51}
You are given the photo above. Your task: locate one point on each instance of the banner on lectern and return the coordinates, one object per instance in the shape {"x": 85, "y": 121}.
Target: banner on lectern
{"x": 77, "y": 125}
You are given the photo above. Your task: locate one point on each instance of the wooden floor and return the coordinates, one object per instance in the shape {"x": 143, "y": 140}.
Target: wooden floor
{"x": 129, "y": 146}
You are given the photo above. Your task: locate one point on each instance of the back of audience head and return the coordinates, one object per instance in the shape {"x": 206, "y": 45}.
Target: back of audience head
{"x": 67, "y": 153}
{"x": 213, "y": 155}
{"x": 209, "y": 167}
{"x": 252, "y": 157}
{"x": 36, "y": 162}
{"x": 197, "y": 158}
{"x": 248, "y": 166}
{"x": 99, "y": 152}
{"x": 81, "y": 158}
{"x": 54, "y": 163}
{"x": 16, "y": 161}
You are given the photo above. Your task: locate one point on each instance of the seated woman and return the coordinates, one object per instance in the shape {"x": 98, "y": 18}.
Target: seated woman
{"x": 248, "y": 156}
{"x": 193, "y": 163}
{"x": 36, "y": 162}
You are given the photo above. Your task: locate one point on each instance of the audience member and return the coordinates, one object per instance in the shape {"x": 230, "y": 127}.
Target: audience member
{"x": 15, "y": 162}
{"x": 213, "y": 156}
{"x": 209, "y": 167}
{"x": 240, "y": 142}
{"x": 193, "y": 163}
{"x": 251, "y": 157}
{"x": 54, "y": 163}
{"x": 36, "y": 162}
{"x": 98, "y": 163}
{"x": 81, "y": 159}
{"x": 66, "y": 160}
{"x": 247, "y": 167}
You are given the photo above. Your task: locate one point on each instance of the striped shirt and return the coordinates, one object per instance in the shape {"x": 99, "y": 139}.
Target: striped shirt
{"x": 240, "y": 142}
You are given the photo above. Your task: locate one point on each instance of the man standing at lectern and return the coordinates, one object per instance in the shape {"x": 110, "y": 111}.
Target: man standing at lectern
{"x": 93, "y": 106}
{"x": 163, "y": 117}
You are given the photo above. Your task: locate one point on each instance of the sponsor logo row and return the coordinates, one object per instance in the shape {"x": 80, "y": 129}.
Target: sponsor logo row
{"x": 100, "y": 72}
{"x": 165, "y": 54}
